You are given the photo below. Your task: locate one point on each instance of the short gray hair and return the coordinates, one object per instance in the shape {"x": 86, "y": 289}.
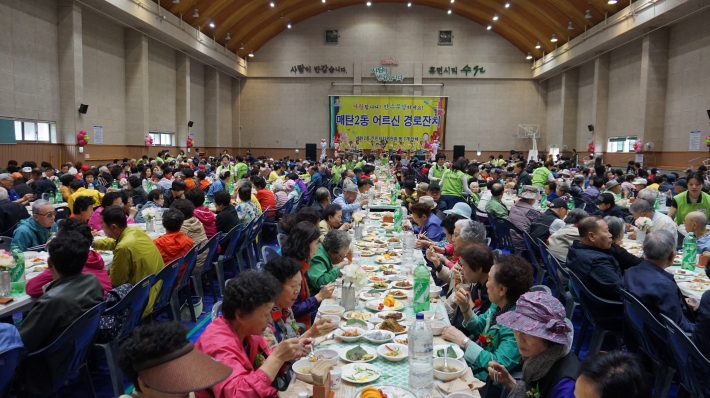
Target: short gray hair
{"x": 472, "y": 230}
{"x": 563, "y": 186}
{"x": 648, "y": 194}
{"x": 659, "y": 245}
{"x": 697, "y": 216}
{"x": 5, "y": 176}
{"x": 616, "y": 226}
{"x": 336, "y": 240}
{"x": 277, "y": 187}
{"x": 3, "y": 194}
{"x": 38, "y": 204}
{"x": 640, "y": 206}
{"x": 575, "y": 216}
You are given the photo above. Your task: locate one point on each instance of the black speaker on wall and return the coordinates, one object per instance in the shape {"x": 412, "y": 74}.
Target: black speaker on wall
{"x": 311, "y": 152}
{"x": 708, "y": 113}
{"x": 83, "y": 108}
{"x": 190, "y": 123}
{"x": 591, "y": 127}
{"x": 459, "y": 151}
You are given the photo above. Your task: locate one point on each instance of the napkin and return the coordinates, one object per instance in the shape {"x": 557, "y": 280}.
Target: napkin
{"x": 466, "y": 383}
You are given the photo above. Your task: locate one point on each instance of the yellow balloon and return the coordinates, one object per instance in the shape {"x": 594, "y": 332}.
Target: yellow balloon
{"x": 86, "y": 138}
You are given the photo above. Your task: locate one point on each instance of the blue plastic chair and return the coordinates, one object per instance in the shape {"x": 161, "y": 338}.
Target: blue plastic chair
{"x": 258, "y": 241}
{"x": 168, "y": 275}
{"x": 502, "y": 228}
{"x": 243, "y": 245}
{"x": 561, "y": 292}
{"x": 693, "y": 364}
{"x": 605, "y": 315}
{"x": 531, "y": 253}
{"x": 207, "y": 268}
{"x": 9, "y": 361}
{"x": 183, "y": 285}
{"x": 269, "y": 253}
{"x": 650, "y": 335}
{"x": 135, "y": 301}
{"x": 72, "y": 347}
{"x": 231, "y": 241}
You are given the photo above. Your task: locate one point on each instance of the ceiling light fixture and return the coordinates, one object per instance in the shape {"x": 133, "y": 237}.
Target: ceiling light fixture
{"x": 448, "y": 12}
{"x": 323, "y": 1}
{"x": 241, "y": 45}
{"x": 538, "y": 45}
{"x": 409, "y": 4}
{"x": 570, "y": 26}
{"x": 588, "y": 15}
{"x": 507, "y": 4}
{"x": 195, "y": 14}
{"x": 495, "y": 17}
{"x": 176, "y": 1}
{"x": 369, "y": 3}
{"x": 272, "y": 4}
{"x": 489, "y": 27}
{"x": 554, "y": 38}
{"x": 611, "y": 2}
{"x": 211, "y": 24}
{"x": 529, "y": 56}
{"x": 452, "y": 1}
{"x": 228, "y": 37}
{"x": 251, "y": 54}
{"x": 288, "y": 25}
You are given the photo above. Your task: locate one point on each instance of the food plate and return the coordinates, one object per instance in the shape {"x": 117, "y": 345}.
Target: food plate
{"x": 366, "y": 326}
{"x": 369, "y": 351}
{"x": 367, "y": 253}
{"x": 372, "y": 336}
{"x": 361, "y": 373}
{"x": 369, "y": 238}
{"x": 375, "y": 216}
{"x": 701, "y": 287}
{"x": 366, "y": 296}
{"x": 374, "y": 305}
{"x": 681, "y": 271}
{"x": 392, "y": 391}
{"x": 396, "y": 315}
{"x": 374, "y": 279}
{"x": 359, "y": 315}
{"x": 393, "y": 352}
{"x": 350, "y": 334}
{"x": 380, "y": 250}
{"x": 302, "y": 369}
{"x": 381, "y": 286}
{"x": 398, "y": 294}
{"x": 387, "y": 260}
{"x": 401, "y": 285}
{"x": 388, "y": 267}
{"x": 402, "y": 339}
{"x": 438, "y": 349}
{"x": 369, "y": 267}
{"x": 386, "y": 325}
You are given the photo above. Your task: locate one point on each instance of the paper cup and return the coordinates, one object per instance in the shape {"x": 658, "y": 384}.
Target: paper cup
{"x": 702, "y": 260}
{"x": 335, "y": 377}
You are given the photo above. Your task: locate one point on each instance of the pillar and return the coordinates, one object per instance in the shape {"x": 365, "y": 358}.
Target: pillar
{"x": 212, "y": 106}
{"x": 71, "y": 69}
{"x": 600, "y": 102}
{"x": 654, "y": 79}
{"x": 137, "y": 89}
{"x": 182, "y": 98}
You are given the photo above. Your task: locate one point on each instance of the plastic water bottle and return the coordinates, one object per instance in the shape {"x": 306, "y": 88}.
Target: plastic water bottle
{"x": 114, "y": 184}
{"x": 543, "y": 201}
{"x": 690, "y": 249}
{"x": 657, "y": 203}
{"x": 570, "y": 202}
{"x": 421, "y": 288}
{"x": 421, "y": 358}
{"x": 17, "y": 273}
{"x": 398, "y": 220}
{"x": 393, "y": 197}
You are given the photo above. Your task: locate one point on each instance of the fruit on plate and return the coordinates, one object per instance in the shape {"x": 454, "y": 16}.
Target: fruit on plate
{"x": 389, "y": 301}
{"x": 372, "y": 392}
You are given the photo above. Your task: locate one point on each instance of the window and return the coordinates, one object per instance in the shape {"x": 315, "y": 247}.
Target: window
{"x": 162, "y": 139}
{"x": 33, "y": 131}
{"x": 621, "y": 144}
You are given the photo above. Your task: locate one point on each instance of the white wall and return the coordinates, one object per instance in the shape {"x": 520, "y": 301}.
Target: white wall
{"x": 624, "y": 87}
{"x": 688, "y": 94}
{"x": 584, "y": 103}
{"x": 29, "y": 73}
{"x": 162, "y": 81}
{"x": 104, "y": 77}
{"x": 197, "y": 100}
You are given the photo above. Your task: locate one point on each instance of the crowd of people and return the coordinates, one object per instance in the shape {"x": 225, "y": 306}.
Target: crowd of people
{"x": 269, "y": 316}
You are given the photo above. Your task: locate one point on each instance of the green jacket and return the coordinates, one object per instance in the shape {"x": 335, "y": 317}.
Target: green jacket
{"x": 501, "y": 345}
{"x": 337, "y": 172}
{"x": 496, "y": 208}
{"x": 320, "y": 271}
{"x": 539, "y": 177}
{"x": 30, "y": 233}
{"x": 242, "y": 170}
{"x": 135, "y": 256}
{"x": 452, "y": 182}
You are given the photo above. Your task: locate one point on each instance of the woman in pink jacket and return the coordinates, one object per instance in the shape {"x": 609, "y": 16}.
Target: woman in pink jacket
{"x": 110, "y": 199}
{"x": 235, "y": 339}
{"x": 94, "y": 264}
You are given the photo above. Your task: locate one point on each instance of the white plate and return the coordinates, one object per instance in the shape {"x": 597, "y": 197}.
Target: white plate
{"x": 457, "y": 350}
{"x": 395, "y": 260}
{"x": 360, "y": 315}
{"x": 370, "y": 268}
{"x": 370, "y": 326}
{"x": 352, "y": 369}
{"x": 339, "y": 333}
{"x": 401, "y": 339}
{"x": 381, "y": 316}
{"x": 393, "y": 286}
{"x": 394, "y": 391}
{"x": 369, "y": 350}
{"x": 389, "y": 334}
{"x": 381, "y": 350}
{"x": 380, "y": 278}
{"x": 406, "y": 296}
{"x": 365, "y": 296}
{"x": 374, "y": 305}
{"x": 371, "y": 286}
{"x": 406, "y": 328}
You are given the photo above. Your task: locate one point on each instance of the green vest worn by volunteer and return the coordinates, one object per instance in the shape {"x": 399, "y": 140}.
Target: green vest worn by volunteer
{"x": 684, "y": 206}
{"x": 242, "y": 170}
{"x": 337, "y": 172}
{"x": 451, "y": 183}
{"x": 540, "y": 176}
{"x": 438, "y": 171}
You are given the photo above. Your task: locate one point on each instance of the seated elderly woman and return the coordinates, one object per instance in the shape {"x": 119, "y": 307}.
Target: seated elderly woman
{"x": 562, "y": 239}
{"x": 474, "y": 261}
{"x": 611, "y": 375}
{"x": 235, "y": 339}
{"x": 279, "y": 194}
{"x": 544, "y": 338}
{"x": 465, "y": 232}
{"x": 428, "y": 223}
{"x": 302, "y": 246}
{"x": 332, "y": 219}
{"x": 445, "y": 246}
{"x": 331, "y": 257}
{"x": 625, "y": 259}
{"x": 283, "y": 326}
{"x": 508, "y": 279}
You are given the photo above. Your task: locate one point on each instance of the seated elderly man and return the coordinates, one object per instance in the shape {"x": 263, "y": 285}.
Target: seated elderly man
{"x": 560, "y": 241}
{"x": 550, "y": 221}
{"x": 348, "y": 202}
{"x": 655, "y": 287}
{"x": 643, "y": 208}
{"x": 11, "y": 213}
{"x": 8, "y": 182}
{"x": 36, "y": 230}
{"x": 495, "y": 206}
{"x": 331, "y": 257}
{"x": 607, "y": 204}
{"x": 322, "y": 199}
{"x": 590, "y": 260}
{"x": 523, "y": 214}
{"x": 613, "y": 187}
{"x": 696, "y": 222}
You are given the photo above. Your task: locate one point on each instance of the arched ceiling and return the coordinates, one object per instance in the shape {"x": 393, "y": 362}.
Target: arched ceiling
{"x": 524, "y": 23}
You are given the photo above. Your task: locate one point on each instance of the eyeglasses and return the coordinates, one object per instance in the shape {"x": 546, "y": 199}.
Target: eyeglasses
{"x": 48, "y": 215}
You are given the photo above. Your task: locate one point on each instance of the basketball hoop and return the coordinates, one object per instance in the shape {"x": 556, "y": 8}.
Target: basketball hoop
{"x": 531, "y": 131}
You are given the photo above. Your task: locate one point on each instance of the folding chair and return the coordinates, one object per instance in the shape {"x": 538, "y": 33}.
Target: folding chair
{"x": 183, "y": 284}
{"x": 532, "y": 251}
{"x": 230, "y": 242}
{"x": 561, "y": 292}
{"x": 207, "y": 268}
{"x": 9, "y": 362}
{"x": 502, "y": 228}
{"x": 688, "y": 358}
{"x": 268, "y": 254}
{"x": 168, "y": 275}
